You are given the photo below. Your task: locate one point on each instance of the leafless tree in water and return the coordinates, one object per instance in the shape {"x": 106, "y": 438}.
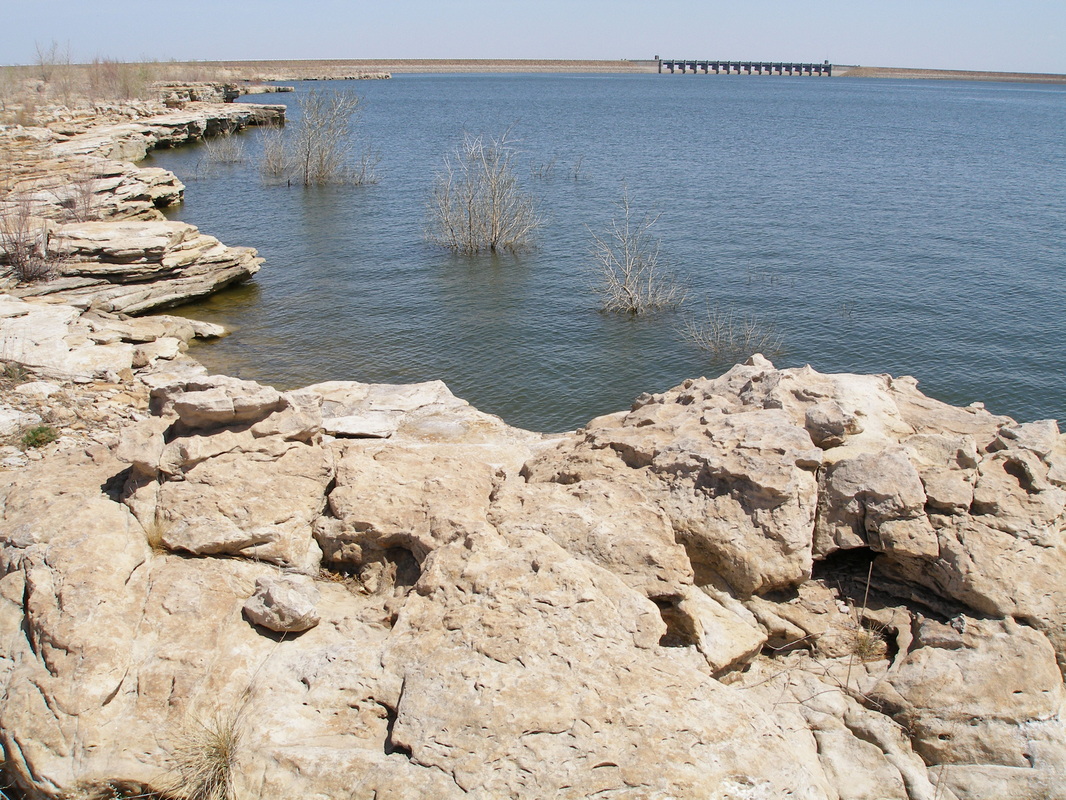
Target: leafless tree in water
{"x": 322, "y": 146}
{"x": 478, "y": 204}
{"x": 630, "y": 275}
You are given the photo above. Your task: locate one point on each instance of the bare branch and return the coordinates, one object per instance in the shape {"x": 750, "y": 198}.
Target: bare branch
{"x": 631, "y": 279}
{"x": 24, "y": 243}
{"x": 729, "y": 337}
{"x": 477, "y": 202}
{"x": 322, "y": 147}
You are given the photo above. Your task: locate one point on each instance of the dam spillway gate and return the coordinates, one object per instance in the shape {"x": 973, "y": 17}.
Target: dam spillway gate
{"x": 697, "y": 67}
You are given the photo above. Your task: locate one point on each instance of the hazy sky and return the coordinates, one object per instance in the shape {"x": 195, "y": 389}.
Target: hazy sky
{"x": 1009, "y": 35}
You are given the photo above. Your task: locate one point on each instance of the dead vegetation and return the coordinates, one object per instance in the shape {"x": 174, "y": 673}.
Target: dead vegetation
{"x": 24, "y": 243}
{"x": 478, "y": 204}
{"x": 730, "y": 337}
{"x": 322, "y": 146}
{"x": 631, "y": 277}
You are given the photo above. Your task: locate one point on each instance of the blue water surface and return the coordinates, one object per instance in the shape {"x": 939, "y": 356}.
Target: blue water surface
{"x": 906, "y": 227}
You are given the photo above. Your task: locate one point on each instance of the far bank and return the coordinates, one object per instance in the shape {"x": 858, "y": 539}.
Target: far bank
{"x": 338, "y": 69}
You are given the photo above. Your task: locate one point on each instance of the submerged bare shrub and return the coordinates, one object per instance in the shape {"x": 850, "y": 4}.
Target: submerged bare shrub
{"x": 729, "y": 337}
{"x": 275, "y": 164}
{"x": 321, "y": 147}
{"x": 227, "y": 148}
{"x": 630, "y": 277}
{"x": 478, "y": 203}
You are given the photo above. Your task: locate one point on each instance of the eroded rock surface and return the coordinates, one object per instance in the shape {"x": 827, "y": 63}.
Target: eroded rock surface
{"x": 775, "y": 583}
{"x": 70, "y": 192}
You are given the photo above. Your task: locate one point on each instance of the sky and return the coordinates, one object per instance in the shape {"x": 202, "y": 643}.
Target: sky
{"x": 999, "y": 35}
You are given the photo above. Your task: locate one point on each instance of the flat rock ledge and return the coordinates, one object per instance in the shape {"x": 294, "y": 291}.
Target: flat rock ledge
{"x": 776, "y": 583}
{"x": 134, "y": 267}
{"x": 70, "y": 193}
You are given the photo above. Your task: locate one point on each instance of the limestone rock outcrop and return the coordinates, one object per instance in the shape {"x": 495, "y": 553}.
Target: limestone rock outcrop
{"x": 71, "y": 192}
{"x": 775, "y": 583}
{"x": 133, "y": 267}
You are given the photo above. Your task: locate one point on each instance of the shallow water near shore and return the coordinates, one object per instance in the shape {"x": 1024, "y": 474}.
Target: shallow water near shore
{"x": 907, "y": 227}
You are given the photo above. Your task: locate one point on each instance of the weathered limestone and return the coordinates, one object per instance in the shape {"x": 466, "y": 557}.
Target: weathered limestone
{"x": 774, "y": 583}
{"x": 66, "y": 342}
{"x": 132, "y": 267}
{"x": 131, "y": 141}
{"x": 743, "y": 517}
{"x": 98, "y": 215}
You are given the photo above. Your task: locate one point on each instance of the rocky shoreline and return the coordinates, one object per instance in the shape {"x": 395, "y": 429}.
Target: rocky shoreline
{"x": 776, "y": 583}
{"x": 72, "y": 191}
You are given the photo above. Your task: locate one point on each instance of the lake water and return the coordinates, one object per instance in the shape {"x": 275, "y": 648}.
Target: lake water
{"x": 907, "y": 227}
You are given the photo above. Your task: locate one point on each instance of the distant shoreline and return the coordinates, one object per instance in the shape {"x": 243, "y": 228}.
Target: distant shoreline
{"x": 289, "y": 70}
{"x": 905, "y": 73}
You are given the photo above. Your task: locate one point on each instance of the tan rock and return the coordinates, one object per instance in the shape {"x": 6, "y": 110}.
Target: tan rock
{"x": 611, "y": 524}
{"x": 261, "y": 507}
{"x": 1012, "y": 492}
{"x": 742, "y": 516}
{"x": 875, "y": 500}
{"x": 947, "y": 467}
{"x": 417, "y": 499}
{"x": 284, "y": 603}
{"x": 165, "y": 348}
{"x": 990, "y": 700}
{"x": 498, "y": 628}
{"x": 509, "y": 615}
{"x": 829, "y": 425}
{"x": 727, "y": 640}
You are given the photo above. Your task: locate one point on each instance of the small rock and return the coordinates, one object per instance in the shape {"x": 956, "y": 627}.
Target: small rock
{"x": 828, "y": 424}
{"x": 38, "y": 389}
{"x": 12, "y": 420}
{"x": 284, "y": 603}
{"x": 14, "y": 461}
{"x": 371, "y": 424}
{"x": 1040, "y": 436}
{"x": 166, "y": 347}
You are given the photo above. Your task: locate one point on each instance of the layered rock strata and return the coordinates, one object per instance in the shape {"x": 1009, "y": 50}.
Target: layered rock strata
{"x": 776, "y": 583}
{"x": 70, "y": 194}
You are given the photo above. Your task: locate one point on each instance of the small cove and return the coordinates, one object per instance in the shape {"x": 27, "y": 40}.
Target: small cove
{"x": 907, "y": 227}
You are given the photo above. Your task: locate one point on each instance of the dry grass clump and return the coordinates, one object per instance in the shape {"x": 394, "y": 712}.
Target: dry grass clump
{"x": 13, "y": 374}
{"x": 114, "y": 791}
{"x": 868, "y": 645}
{"x": 155, "y": 532}
{"x": 204, "y": 761}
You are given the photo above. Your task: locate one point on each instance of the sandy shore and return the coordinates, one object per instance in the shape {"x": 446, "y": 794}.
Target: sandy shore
{"x": 322, "y": 69}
